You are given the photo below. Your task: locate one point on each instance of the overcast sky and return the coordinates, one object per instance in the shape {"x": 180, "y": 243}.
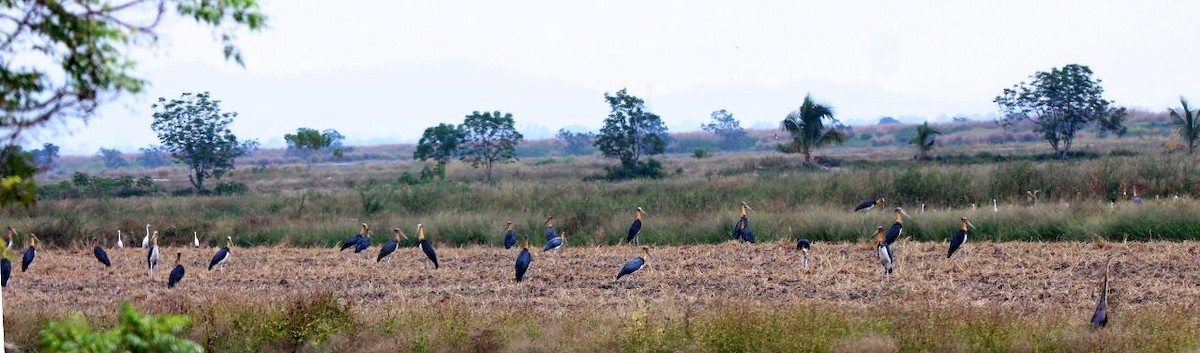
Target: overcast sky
{"x": 382, "y": 71}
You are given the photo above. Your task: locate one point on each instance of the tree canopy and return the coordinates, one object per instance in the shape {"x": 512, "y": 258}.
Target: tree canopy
{"x": 578, "y": 143}
{"x": 310, "y": 143}
{"x": 439, "y": 143}
{"x": 488, "y": 138}
{"x": 924, "y": 140}
{"x": 808, "y": 130}
{"x": 196, "y": 133}
{"x": 62, "y": 60}
{"x": 1187, "y": 122}
{"x": 1059, "y": 103}
{"x": 730, "y": 130}
{"x": 630, "y": 131}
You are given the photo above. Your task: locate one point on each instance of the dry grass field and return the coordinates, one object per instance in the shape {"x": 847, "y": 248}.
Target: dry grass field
{"x": 1020, "y": 296}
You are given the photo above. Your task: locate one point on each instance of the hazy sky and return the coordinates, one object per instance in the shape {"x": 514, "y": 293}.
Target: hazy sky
{"x": 382, "y": 71}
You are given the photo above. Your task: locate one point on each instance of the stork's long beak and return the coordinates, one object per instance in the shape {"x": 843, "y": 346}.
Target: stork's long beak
{"x": 905, "y": 213}
{"x": 750, "y": 208}
{"x": 972, "y": 225}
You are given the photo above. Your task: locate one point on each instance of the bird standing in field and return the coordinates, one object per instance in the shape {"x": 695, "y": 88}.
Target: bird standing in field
{"x": 363, "y": 242}
{"x": 427, "y": 248}
{"x": 354, "y": 239}
{"x": 222, "y": 256}
{"x": 1137, "y": 200}
{"x": 741, "y": 230}
{"x": 884, "y": 250}
{"x": 390, "y": 247}
{"x": 146, "y": 239}
{"x": 524, "y": 259}
{"x": 152, "y": 254}
{"x": 30, "y": 253}
{"x": 897, "y": 228}
{"x": 1100, "y": 317}
{"x": 5, "y": 269}
{"x": 177, "y": 272}
{"x": 803, "y": 245}
{"x": 196, "y": 239}
{"x": 510, "y": 236}
{"x": 1031, "y": 197}
{"x": 100, "y": 254}
{"x": 636, "y": 227}
{"x": 868, "y": 204}
{"x": 550, "y": 233}
{"x": 960, "y": 237}
{"x": 556, "y": 244}
{"x": 120, "y": 243}
{"x": 634, "y": 265}
{"x": 8, "y": 237}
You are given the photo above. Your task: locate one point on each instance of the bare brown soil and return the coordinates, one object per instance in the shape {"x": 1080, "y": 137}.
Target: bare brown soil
{"x": 1022, "y": 276}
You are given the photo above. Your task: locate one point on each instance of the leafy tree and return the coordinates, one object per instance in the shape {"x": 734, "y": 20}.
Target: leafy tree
{"x": 153, "y": 157}
{"x": 808, "y": 130}
{"x": 196, "y": 133}
{"x": 630, "y": 131}
{"x": 112, "y": 158}
{"x": 578, "y": 143}
{"x": 309, "y": 143}
{"x": 733, "y": 136}
{"x": 439, "y": 143}
{"x": 1188, "y": 123}
{"x": 44, "y": 158}
{"x": 887, "y": 120}
{"x": 1060, "y": 103}
{"x": 487, "y": 139}
{"x": 924, "y": 140}
{"x": 62, "y": 59}
{"x": 134, "y": 332}
{"x": 16, "y": 177}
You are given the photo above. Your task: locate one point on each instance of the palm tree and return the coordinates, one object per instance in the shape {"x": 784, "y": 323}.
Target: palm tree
{"x": 1189, "y": 128}
{"x": 808, "y": 129}
{"x": 924, "y": 140}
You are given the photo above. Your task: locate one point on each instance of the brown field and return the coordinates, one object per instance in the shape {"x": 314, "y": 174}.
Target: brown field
{"x": 1043, "y": 282}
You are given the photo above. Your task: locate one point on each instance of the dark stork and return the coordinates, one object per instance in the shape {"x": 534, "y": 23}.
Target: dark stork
{"x": 8, "y": 237}
{"x": 803, "y": 245}
{"x": 100, "y": 254}
{"x": 524, "y": 259}
{"x": 1137, "y": 200}
{"x": 177, "y": 272}
{"x": 222, "y": 256}
{"x": 960, "y": 237}
{"x": 389, "y": 248}
{"x": 5, "y": 270}
{"x": 427, "y": 248}
{"x": 741, "y": 230}
{"x": 868, "y": 204}
{"x": 897, "y": 228}
{"x": 354, "y": 239}
{"x": 1031, "y": 197}
{"x": 363, "y": 243}
{"x": 1100, "y": 317}
{"x": 634, "y": 265}
{"x": 510, "y": 236}
{"x": 636, "y": 227}
{"x": 557, "y": 243}
{"x": 884, "y": 250}
{"x": 30, "y": 253}
{"x": 550, "y": 233}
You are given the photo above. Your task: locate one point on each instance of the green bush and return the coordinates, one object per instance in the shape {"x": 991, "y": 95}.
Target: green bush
{"x": 133, "y": 333}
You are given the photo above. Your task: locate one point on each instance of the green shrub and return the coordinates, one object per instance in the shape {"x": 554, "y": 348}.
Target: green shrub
{"x": 133, "y": 333}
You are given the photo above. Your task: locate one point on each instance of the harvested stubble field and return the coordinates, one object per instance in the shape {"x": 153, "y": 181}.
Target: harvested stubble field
{"x": 725, "y": 297}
